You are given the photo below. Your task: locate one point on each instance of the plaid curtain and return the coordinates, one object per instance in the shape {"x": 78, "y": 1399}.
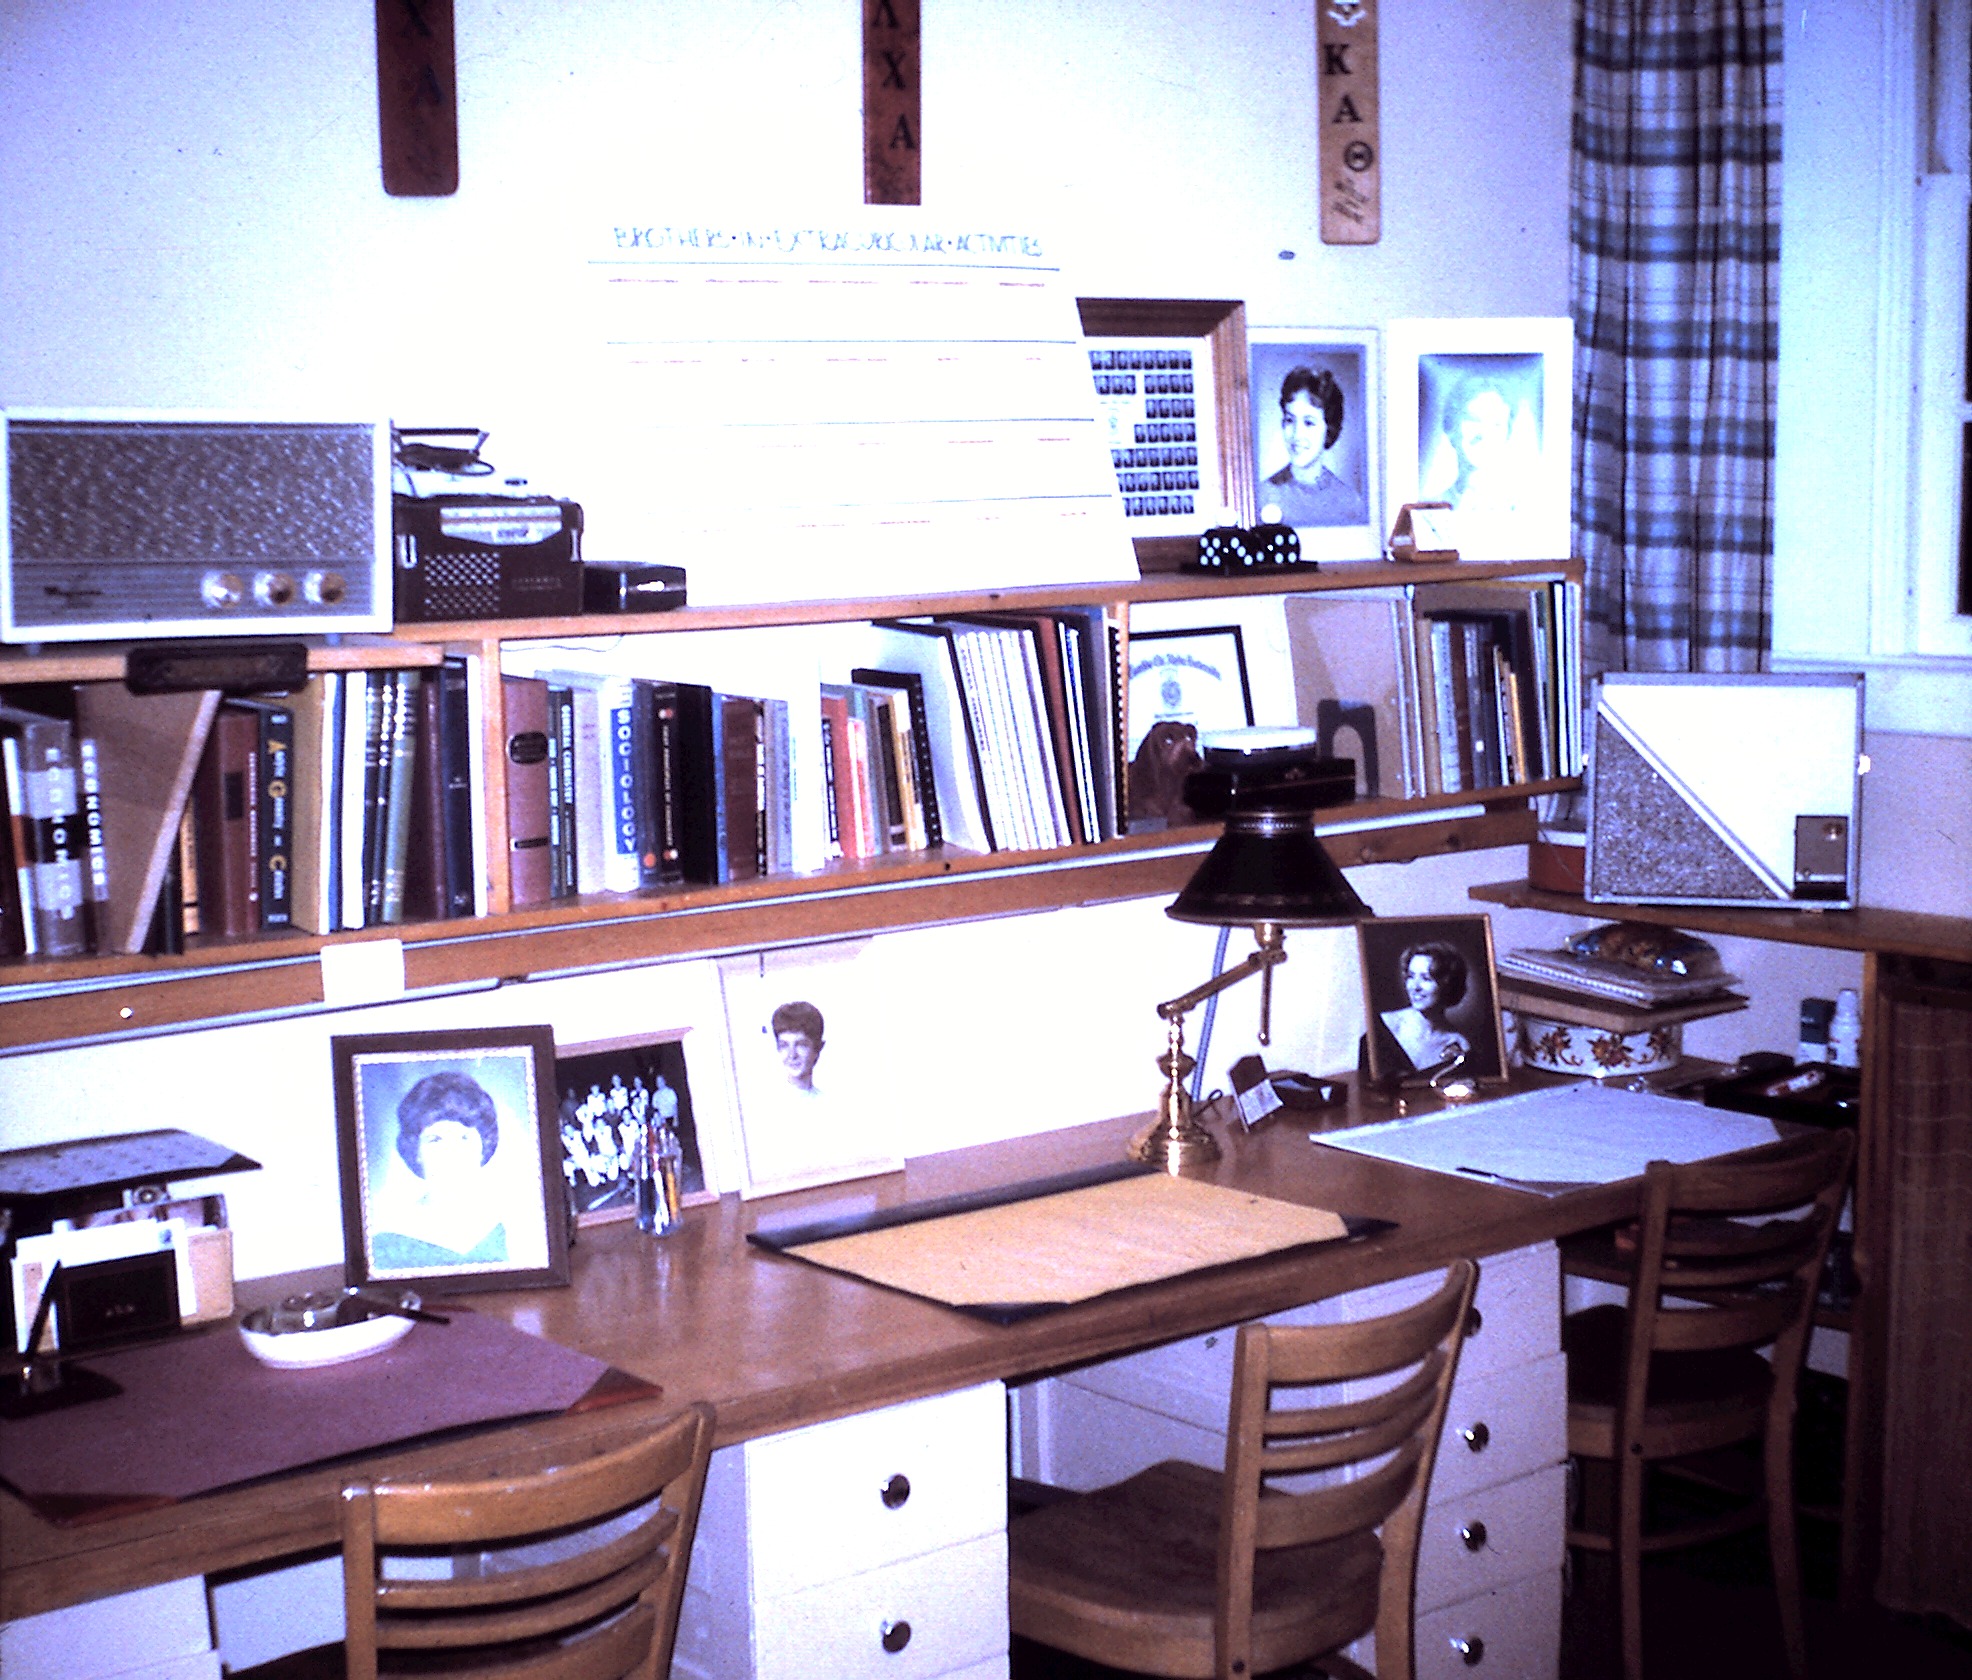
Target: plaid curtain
{"x": 1675, "y": 233}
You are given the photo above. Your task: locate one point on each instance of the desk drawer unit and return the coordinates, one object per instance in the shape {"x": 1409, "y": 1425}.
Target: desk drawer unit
{"x": 874, "y": 1545}
{"x": 1496, "y": 1518}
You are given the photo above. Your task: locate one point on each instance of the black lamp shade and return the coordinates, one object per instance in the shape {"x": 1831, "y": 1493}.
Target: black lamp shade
{"x": 1268, "y": 866}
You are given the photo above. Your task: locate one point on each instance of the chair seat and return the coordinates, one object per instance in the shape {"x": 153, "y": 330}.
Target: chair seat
{"x": 1128, "y": 1576}
{"x": 1695, "y": 1401}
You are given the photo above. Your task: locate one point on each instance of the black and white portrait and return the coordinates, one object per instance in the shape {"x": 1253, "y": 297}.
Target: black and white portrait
{"x": 1479, "y": 421}
{"x": 1314, "y": 437}
{"x": 814, "y": 1103}
{"x": 1430, "y": 996}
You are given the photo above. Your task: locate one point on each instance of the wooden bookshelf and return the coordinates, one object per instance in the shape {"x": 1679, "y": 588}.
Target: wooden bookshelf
{"x": 47, "y": 1001}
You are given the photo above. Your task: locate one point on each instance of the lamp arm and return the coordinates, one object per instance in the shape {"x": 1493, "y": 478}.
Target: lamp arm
{"x": 1270, "y": 954}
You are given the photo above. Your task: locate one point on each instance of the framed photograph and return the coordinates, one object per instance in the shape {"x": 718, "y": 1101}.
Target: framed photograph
{"x": 817, "y": 1103}
{"x": 1170, "y": 379}
{"x": 606, "y": 1093}
{"x": 1183, "y": 684}
{"x": 451, "y": 1161}
{"x": 1318, "y": 436}
{"x": 1480, "y": 418}
{"x": 1430, "y": 991}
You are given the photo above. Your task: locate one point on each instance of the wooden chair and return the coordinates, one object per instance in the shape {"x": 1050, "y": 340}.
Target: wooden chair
{"x": 571, "y": 1573}
{"x": 1707, "y": 1352}
{"x": 1186, "y": 1571}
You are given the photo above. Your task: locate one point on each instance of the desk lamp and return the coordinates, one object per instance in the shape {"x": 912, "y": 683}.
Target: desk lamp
{"x": 1267, "y": 871}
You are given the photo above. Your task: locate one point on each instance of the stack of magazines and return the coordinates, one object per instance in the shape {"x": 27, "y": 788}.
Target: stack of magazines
{"x": 1629, "y": 963}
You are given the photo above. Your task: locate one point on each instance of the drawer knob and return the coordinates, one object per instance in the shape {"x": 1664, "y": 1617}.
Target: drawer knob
{"x": 1473, "y": 1534}
{"x": 895, "y": 1492}
{"x": 1471, "y": 1652}
{"x": 896, "y": 1635}
{"x": 1478, "y": 1438}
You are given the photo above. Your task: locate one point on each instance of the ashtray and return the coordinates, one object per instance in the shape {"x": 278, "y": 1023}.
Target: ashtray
{"x": 329, "y": 1327}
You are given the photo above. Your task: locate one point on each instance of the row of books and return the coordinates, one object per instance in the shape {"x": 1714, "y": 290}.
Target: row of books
{"x": 359, "y": 800}
{"x": 990, "y": 734}
{"x": 1443, "y": 687}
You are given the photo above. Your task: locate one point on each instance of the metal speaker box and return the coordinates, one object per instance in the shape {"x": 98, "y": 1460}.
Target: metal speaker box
{"x": 123, "y": 525}
{"x": 1731, "y": 790}
{"x": 474, "y": 557}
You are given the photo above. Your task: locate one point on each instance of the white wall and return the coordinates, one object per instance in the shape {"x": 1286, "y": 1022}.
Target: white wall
{"x": 191, "y": 214}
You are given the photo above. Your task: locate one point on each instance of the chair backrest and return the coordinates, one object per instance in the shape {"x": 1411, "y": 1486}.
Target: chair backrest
{"x": 577, "y": 1570}
{"x": 1729, "y": 1254}
{"x": 1387, "y": 1442}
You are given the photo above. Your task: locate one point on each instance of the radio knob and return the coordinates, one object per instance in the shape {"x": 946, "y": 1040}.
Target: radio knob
{"x": 221, "y": 590}
{"x": 273, "y": 589}
{"x": 323, "y": 589}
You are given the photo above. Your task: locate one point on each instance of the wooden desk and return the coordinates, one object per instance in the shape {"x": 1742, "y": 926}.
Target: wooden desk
{"x": 774, "y": 1344}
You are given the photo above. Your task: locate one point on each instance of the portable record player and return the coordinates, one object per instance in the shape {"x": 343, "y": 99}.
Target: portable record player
{"x": 468, "y": 545}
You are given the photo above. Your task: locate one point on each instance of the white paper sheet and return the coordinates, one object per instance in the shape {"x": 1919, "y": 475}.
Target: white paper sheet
{"x": 1549, "y": 1141}
{"x": 812, "y": 412}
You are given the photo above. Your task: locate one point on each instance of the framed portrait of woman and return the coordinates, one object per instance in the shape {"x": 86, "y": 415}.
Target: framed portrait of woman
{"x": 1479, "y": 420}
{"x": 451, "y": 1160}
{"x": 1318, "y": 435}
{"x": 1430, "y": 994}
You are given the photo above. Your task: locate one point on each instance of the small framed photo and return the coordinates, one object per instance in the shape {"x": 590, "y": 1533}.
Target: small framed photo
{"x": 1480, "y": 419}
{"x": 1183, "y": 684}
{"x": 451, "y": 1161}
{"x": 606, "y": 1093}
{"x": 1170, "y": 380}
{"x": 817, "y": 1103}
{"x": 1429, "y": 992}
{"x": 1318, "y": 436}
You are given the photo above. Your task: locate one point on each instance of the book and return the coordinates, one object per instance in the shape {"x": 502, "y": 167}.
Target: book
{"x": 1053, "y": 697}
{"x": 379, "y": 741}
{"x": 273, "y": 810}
{"x": 148, "y": 748}
{"x": 17, "y": 886}
{"x": 47, "y": 793}
{"x": 606, "y": 821}
{"x": 847, "y": 735}
{"x": 930, "y": 652}
{"x": 1353, "y": 657}
{"x": 924, "y": 776}
{"x": 354, "y": 791}
{"x": 829, "y": 727}
{"x": 702, "y": 857}
{"x": 561, "y": 829}
{"x": 95, "y": 848}
{"x": 777, "y": 783}
{"x": 657, "y": 783}
{"x": 426, "y": 896}
{"x": 457, "y": 756}
{"x": 524, "y": 729}
{"x": 225, "y": 820}
{"x": 399, "y": 774}
{"x": 739, "y": 787}
{"x": 317, "y": 766}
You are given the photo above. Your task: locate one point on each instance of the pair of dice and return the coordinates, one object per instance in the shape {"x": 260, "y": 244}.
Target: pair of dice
{"x": 1231, "y": 548}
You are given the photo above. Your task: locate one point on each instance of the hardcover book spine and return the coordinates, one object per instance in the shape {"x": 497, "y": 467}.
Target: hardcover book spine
{"x": 95, "y": 848}
{"x": 21, "y": 937}
{"x": 779, "y": 759}
{"x": 565, "y": 757}
{"x": 395, "y": 850}
{"x": 317, "y": 747}
{"x": 645, "y": 788}
{"x": 426, "y": 898}
{"x": 455, "y": 748}
{"x": 524, "y": 704}
{"x": 829, "y": 785}
{"x": 12, "y": 906}
{"x": 739, "y": 786}
{"x": 379, "y": 728}
{"x": 223, "y": 824}
{"x": 700, "y": 848}
{"x": 274, "y": 844}
{"x": 560, "y": 836}
{"x": 617, "y": 715}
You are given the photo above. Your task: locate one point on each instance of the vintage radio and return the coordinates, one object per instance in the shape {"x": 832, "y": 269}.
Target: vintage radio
{"x": 466, "y": 556}
{"x": 119, "y": 524}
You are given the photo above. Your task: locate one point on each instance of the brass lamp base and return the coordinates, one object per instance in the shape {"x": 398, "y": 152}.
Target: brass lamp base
{"x": 1176, "y": 1139}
